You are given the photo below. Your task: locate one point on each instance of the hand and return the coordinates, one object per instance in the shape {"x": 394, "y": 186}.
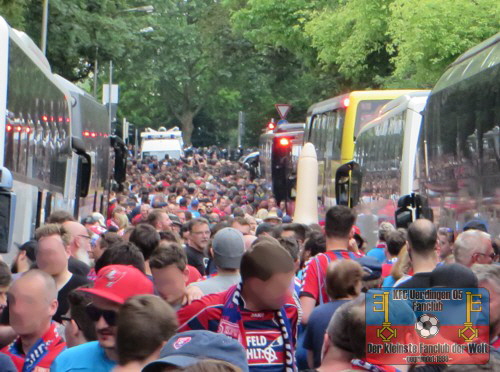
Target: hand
{"x": 193, "y": 293}
{"x": 353, "y": 246}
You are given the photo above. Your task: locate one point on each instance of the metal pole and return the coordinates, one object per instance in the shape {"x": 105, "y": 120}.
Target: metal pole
{"x": 240, "y": 127}
{"x": 95, "y": 72}
{"x": 109, "y": 90}
{"x": 45, "y": 21}
{"x": 125, "y": 130}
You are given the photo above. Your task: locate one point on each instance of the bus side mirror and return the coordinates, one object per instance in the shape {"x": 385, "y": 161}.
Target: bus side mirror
{"x": 348, "y": 180}
{"x": 84, "y": 166}
{"x": 410, "y": 208}
{"x": 7, "y": 208}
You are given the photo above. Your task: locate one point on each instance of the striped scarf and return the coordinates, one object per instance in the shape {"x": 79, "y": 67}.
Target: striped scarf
{"x": 231, "y": 324}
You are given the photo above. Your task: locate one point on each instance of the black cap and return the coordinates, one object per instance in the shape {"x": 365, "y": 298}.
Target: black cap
{"x": 453, "y": 276}
{"x": 30, "y": 248}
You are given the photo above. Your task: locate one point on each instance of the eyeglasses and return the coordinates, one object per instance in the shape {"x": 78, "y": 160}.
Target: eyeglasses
{"x": 85, "y": 236}
{"x": 95, "y": 314}
{"x": 201, "y": 233}
{"x": 493, "y": 256}
{"x": 65, "y": 318}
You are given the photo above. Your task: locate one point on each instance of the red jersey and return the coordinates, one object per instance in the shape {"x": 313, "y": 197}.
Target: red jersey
{"x": 265, "y": 346}
{"x": 194, "y": 275}
{"x": 313, "y": 282}
{"x": 42, "y": 353}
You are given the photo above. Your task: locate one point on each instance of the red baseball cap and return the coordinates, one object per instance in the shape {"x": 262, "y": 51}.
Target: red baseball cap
{"x": 118, "y": 283}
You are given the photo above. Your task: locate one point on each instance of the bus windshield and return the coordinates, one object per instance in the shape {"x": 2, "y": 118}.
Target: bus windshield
{"x": 367, "y": 111}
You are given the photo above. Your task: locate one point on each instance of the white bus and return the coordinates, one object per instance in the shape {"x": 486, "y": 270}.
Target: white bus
{"x": 385, "y": 152}
{"x": 459, "y": 144}
{"x": 45, "y": 160}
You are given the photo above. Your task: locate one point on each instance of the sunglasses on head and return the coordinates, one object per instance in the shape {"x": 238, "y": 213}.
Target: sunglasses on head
{"x": 95, "y": 314}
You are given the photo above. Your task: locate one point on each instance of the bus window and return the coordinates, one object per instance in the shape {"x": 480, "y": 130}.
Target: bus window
{"x": 367, "y": 111}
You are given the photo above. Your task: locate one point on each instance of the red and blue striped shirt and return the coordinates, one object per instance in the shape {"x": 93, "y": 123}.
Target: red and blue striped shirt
{"x": 314, "y": 280}
{"x": 265, "y": 346}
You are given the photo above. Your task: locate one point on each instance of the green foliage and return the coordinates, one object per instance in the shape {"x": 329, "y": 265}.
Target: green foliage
{"x": 352, "y": 35}
{"x": 427, "y": 35}
{"x": 13, "y": 12}
{"x": 207, "y": 60}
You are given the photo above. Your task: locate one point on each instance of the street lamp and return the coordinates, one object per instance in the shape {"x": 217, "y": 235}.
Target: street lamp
{"x": 45, "y": 19}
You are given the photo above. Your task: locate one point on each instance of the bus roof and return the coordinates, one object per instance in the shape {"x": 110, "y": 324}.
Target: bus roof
{"x": 415, "y": 101}
{"x": 290, "y": 127}
{"x": 481, "y": 57}
{"x": 359, "y": 95}
{"x": 403, "y": 101}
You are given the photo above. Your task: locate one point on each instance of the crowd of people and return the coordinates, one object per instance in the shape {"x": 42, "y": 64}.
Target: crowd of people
{"x": 198, "y": 269}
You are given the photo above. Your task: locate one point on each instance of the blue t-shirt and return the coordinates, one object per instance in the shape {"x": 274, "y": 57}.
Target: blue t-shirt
{"x": 6, "y": 364}
{"x": 389, "y": 282}
{"x": 89, "y": 357}
{"x": 377, "y": 253}
{"x": 316, "y": 328}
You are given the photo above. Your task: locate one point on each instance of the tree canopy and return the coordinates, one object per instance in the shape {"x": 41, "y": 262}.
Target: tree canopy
{"x": 197, "y": 63}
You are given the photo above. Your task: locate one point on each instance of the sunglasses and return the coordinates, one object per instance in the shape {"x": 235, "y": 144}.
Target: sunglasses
{"x": 68, "y": 319}
{"x": 95, "y": 314}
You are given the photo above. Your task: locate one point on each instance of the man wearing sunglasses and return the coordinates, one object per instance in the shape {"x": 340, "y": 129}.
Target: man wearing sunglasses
{"x": 113, "y": 286}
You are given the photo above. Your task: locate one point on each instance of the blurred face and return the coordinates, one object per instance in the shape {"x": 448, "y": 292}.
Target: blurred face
{"x": 272, "y": 293}
{"x": 182, "y": 217}
{"x": 3, "y": 297}
{"x": 244, "y": 229}
{"x": 486, "y": 255}
{"x": 52, "y": 255}
{"x": 165, "y": 222}
{"x": 96, "y": 251}
{"x": 105, "y": 329}
{"x": 272, "y": 203}
{"x": 170, "y": 282}
{"x": 144, "y": 211}
{"x": 71, "y": 331}
{"x": 444, "y": 245}
{"x": 82, "y": 241}
{"x": 224, "y": 203}
{"x": 253, "y": 225}
{"x": 30, "y": 307}
{"x": 199, "y": 236}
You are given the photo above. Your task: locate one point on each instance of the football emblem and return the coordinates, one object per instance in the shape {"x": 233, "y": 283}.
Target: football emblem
{"x": 427, "y": 325}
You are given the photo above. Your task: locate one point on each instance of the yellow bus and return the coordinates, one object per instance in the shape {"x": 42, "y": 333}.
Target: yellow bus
{"x": 332, "y": 126}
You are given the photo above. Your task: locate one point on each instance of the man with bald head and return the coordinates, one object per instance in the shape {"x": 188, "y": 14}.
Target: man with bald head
{"x": 79, "y": 262}
{"x": 32, "y": 303}
{"x": 52, "y": 257}
{"x": 473, "y": 246}
{"x": 422, "y": 249}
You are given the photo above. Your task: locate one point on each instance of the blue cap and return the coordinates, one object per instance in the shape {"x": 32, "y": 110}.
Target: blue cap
{"x": 188, "y": 348}
{"x": 371, "y": 266}
{"x": 476, "y": 224}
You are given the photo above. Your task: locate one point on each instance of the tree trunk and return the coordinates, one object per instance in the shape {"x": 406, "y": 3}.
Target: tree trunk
{"x": 187, "y": 126}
